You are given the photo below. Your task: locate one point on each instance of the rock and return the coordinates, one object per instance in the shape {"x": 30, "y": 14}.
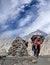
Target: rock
{"x": 18, "y": 47}
{"x": 3, "y": 52}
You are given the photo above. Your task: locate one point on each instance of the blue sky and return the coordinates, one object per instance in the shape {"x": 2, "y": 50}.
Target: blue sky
{"x": 21, "y": 17}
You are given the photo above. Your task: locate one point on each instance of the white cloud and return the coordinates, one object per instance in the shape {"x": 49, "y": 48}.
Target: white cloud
{"x": 3, "y": 27}
{"x": 10, "y": 34}
{"x": 25, "y": 1}
{"x": 42, "y": 22}
{"x": 9, "y": 10}
{"x": 25, "y": 21}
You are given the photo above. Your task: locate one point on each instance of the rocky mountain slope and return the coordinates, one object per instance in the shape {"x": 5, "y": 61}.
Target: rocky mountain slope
{"x": 5, "y": 44}
{"x": 45, "y": 50}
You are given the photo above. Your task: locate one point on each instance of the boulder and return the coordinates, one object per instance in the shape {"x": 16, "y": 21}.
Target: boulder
{"x": 18, "y": 47}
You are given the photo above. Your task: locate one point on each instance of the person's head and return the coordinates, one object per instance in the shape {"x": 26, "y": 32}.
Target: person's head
{"x": 38, "y": 39}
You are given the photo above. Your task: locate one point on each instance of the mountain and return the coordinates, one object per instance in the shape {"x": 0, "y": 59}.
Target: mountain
{"x": 5, "y": 44}
{"x": 38, "y": 32}
{"x": 45, "y": 50}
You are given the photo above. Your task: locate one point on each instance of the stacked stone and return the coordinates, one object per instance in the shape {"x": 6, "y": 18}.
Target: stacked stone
{"x": 18, "y": 47}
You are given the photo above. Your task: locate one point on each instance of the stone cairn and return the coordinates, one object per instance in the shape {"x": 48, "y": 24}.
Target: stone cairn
{"x": 18, "y": 48}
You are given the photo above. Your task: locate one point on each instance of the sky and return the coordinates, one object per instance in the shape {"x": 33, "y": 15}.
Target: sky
{"x": 21, "y": 17}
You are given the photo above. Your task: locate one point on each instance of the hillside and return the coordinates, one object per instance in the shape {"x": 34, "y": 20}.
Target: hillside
{"x": 45, "y": 50}
{"x": 5, "y": 44}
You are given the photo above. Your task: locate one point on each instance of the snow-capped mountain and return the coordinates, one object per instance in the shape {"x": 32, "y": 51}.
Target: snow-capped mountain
{"x": 38, "y": 32}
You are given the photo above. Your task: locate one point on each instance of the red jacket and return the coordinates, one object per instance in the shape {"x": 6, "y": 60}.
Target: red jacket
{"x": 38, "y": 42}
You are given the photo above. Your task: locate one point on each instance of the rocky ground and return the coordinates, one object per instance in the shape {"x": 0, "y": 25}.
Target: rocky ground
{"x": 25, "y": 60}
{"x": 17, "y": 60}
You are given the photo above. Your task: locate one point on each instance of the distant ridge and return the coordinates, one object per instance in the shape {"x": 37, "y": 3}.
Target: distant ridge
{"x": 37, "y": 32}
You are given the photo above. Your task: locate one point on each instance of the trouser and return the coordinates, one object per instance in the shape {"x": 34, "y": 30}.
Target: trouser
{"x": 33, "y": 49}
{"x": 36, "y": 50}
